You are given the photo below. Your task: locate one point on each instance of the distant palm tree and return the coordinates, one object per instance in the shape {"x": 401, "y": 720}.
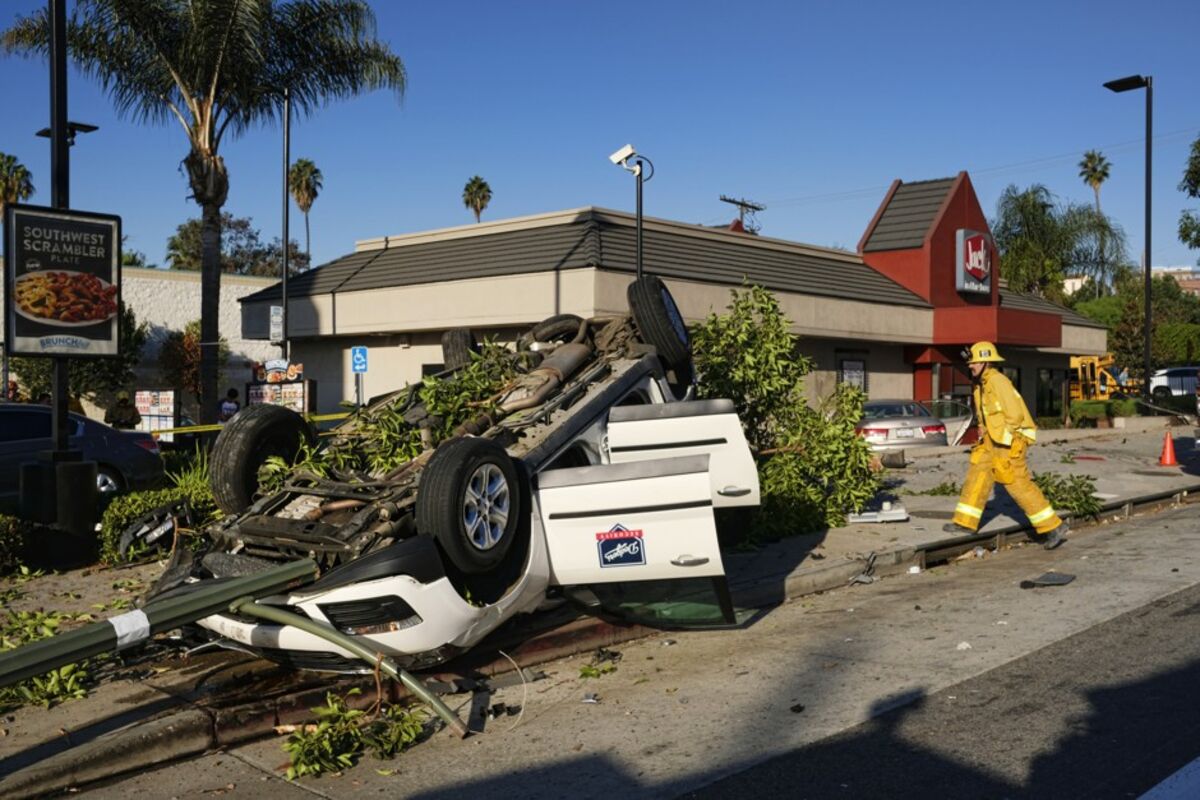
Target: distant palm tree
{"x": 16, "y": 182}
{"x": 304, "y": 182}
{"x": 1094, "y": 170}
{"x": 218, "y": 68}
{"x": 476, "y": 195}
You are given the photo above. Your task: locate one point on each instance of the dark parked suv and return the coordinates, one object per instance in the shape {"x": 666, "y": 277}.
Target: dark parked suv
{"x": 125, "y": 460}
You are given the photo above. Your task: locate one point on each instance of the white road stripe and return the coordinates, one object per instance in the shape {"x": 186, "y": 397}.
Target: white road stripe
{"x": 1183, "y": 785}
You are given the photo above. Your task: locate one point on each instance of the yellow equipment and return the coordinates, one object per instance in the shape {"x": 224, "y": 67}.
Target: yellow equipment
{"x": 1092, "y": 378}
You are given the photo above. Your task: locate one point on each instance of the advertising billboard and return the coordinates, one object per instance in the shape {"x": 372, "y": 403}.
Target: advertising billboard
{"x": 973, "y": 261}
{"x": 62, "y": 280}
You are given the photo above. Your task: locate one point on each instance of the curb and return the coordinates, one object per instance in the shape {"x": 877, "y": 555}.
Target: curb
{"x": 197, "y": 730}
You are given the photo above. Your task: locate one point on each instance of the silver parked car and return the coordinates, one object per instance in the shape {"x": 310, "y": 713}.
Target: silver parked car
{"x": 899, "y": 424}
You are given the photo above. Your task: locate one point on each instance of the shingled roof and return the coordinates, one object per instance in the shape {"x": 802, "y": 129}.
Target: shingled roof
{"x": 603, "y": 239}
{"x": 909, "y": 214}
{"x": 1028, "y": 302}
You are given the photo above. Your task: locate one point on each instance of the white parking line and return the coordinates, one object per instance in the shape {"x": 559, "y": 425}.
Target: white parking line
{"x": 1182, "y": 785}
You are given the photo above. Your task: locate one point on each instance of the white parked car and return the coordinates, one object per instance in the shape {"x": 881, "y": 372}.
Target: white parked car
{"x": 597, "y": 480}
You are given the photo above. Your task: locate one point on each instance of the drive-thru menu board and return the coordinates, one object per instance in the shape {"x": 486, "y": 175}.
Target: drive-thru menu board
{"x": 62, "y": 282}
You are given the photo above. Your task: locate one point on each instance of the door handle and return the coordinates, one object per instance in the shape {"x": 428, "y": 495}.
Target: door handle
{"x": 689, "y": 561}
{"x": 733, "y": 491}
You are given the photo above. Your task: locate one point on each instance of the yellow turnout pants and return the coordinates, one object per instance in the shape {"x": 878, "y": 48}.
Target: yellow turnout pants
{"x": 994, "y": 463}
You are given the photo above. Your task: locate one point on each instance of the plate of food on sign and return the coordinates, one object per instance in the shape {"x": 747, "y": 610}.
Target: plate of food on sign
{"x": 64, "y": 298}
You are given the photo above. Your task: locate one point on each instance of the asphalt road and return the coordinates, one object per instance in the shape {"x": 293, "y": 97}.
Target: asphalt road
{"x": 1107, "y": 713}
{"x": 955, "y": 682}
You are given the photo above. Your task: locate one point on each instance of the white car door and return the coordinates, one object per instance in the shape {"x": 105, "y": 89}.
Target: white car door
{"x": 640, "y": 535}
{"x": 662, "y": 430}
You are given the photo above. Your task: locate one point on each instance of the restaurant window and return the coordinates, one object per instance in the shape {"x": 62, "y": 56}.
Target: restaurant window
{"x": 1049, "y": 400}
{"x": 852, "y": 369}
{"x": 1014, "y": 375}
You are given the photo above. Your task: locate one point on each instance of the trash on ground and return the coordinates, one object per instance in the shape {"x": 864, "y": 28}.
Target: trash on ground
{"x": 888, "y": 512}
{"x": 667, "y": 642}
{"x": 592, "y": 698}
{"x": 963, "y": 646}
{"x": 914, "y": 570}
{"x": 1048, "y": 579}
{"x": 796, "y": 709}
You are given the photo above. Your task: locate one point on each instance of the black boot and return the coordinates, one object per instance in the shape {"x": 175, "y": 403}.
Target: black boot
{"x": 954, "y": 527}
{"x": 1057, "y": 536}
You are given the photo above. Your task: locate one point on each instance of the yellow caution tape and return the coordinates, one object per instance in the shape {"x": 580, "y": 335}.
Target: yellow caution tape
{"x": 219, "y": 426}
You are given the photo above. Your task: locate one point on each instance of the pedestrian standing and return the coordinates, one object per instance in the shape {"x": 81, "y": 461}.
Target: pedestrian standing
{"x": 124, "y": 415}
{"x": 229, "y": 406}
{"x": 1006, "y": 430}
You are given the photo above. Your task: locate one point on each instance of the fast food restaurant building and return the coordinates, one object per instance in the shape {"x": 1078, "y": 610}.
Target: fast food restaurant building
{"x": 891, "y": 317}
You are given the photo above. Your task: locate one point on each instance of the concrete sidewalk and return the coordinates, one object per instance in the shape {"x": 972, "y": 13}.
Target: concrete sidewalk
{"x": 175, "y": 708}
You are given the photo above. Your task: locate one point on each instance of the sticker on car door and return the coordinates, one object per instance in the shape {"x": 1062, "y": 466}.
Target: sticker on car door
{"x": 621, "y": 547}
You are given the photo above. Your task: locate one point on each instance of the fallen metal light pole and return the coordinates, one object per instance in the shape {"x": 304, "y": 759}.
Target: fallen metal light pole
{"x": 247, "y": 606}
{"x": 125, "y": 630}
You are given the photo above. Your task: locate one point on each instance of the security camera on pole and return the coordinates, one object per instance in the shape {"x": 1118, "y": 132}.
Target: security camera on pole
{"x": 621, "y": 159}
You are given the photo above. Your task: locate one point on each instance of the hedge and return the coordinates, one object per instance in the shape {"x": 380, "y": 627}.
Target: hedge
{"x": 14, "y": 535}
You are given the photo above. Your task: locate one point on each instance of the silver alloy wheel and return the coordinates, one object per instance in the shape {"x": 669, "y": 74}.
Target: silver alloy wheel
{"x": 486, "y": 507}
{"x": 106, "y": 484}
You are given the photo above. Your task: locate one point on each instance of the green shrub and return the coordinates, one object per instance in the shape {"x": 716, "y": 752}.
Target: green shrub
{"x": 1075, "y": 494}
{"x": 1123, "y": 408}
{"x": 1049, "y": 423}
{"x": 124, "y": 509}
{"x": 68, "y": 682}
{"x": 14, "y": 536}
{"x": 1089, "y": 410}
{"x": 342, "y": 735}
{"x": 814, "y": 469}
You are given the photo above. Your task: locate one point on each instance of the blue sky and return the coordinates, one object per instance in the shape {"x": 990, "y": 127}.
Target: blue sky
{"x": 809, "y": 107}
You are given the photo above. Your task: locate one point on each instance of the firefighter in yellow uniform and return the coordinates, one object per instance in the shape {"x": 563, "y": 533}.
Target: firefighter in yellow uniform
{"x": 1006, "y": 432}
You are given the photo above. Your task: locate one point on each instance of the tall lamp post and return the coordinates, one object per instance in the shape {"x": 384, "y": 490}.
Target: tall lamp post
{"x": 1125, "y": 85}
{"x": 621, "y": 158}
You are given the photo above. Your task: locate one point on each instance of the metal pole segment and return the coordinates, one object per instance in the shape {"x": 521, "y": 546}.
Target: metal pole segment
{"x": 351, "y": 644}
{"x": 37, "y": 658}
{"x": 287, "y": 165}
{"x": 1149, "y": 311}
{"x": 60, "y": 191}
{"x": 640, "y": 169}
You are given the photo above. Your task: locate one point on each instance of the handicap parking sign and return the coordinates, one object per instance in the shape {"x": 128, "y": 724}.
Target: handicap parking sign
{"x": 358, "y": 359}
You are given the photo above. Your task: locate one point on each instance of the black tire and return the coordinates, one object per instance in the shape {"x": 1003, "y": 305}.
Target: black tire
{"x": 560, "y": 328}
{"x": 457, "y": 346}
{"x": 451, "y": 489}
{"x": 1161, "y": 394}
{"x": 659, "y": 323}
{"x": 244, "y": 444}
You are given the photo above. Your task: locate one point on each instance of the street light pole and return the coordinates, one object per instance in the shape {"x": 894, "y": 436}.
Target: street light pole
{"x": 1124, "y": 85}
{"x": 60, "y": 193}
{"x": 637, "y": 171}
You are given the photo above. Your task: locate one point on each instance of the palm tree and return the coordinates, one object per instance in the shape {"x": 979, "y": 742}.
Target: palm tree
{"x": 476, "y": 195}
{"x": 304, "y": 182}
{"x": 217, "y": 68}
{"x": 16, "y": 182}
{"x": 1094, "y": 170}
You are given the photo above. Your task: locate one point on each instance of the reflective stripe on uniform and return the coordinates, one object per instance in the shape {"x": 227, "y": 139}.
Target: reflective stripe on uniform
{"x": 1041, "y": 516}
{"x": 1006, "y": 439}
{"x": 970, "y": 511}
{"x": 1029, "y": 433}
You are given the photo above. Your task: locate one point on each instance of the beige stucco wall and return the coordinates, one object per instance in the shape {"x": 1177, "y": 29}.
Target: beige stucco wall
{"x": 826, "y": 317}
{"x": 1078, "y": 340}
{"x": 481, "y": 303}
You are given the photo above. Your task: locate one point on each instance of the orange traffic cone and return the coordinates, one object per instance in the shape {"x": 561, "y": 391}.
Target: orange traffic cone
{"x": 1167, "y": 459}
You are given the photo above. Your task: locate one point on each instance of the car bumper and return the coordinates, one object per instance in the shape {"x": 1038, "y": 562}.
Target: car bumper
{"x": 908, "y": 444}
{"x": 441, "y": 623}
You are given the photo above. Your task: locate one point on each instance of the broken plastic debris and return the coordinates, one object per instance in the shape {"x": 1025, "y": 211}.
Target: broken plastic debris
{"x": 914, "y": 570}
{"x": 1048, "y": 579}
{"x": 963, "y": 646}
{"x": 591, "y": 697}
{"x": 667, "y": 642}
{"x": 1001, "y": 622}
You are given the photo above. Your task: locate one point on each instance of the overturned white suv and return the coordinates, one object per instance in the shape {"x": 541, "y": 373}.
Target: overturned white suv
{"x": 593, "y": 475}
